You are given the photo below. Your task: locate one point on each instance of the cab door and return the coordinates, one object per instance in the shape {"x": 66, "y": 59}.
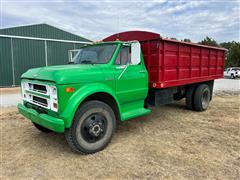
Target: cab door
{"x": 131, "y": 76}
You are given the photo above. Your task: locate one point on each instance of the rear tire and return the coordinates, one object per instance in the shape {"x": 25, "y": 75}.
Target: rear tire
{"x": 202, "y": 97}
{"x": 189, "y": 98}
{"x": 41, "y": 128}
{"x": 92, "y": 128}
{"x": 232, "y": 76}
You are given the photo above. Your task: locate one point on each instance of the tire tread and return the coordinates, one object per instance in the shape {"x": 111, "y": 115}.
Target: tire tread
{"x": 70, "y": 135}
{"x": 190, "y": 97}
{"x": 197, "y": 95}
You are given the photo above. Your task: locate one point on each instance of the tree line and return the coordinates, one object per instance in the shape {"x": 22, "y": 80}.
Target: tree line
{"x": 233, "y": 47}
{"x": 233, "y": 53}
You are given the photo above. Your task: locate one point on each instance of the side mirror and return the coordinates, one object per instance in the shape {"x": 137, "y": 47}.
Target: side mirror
{"x": 135, "y": 53}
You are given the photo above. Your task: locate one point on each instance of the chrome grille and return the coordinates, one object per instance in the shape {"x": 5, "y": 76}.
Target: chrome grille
{"x": 30, "y": 94}
{"x": 40, "y": 88}
{"x": 43, "y": 95}
{"x": 40, "y": 101}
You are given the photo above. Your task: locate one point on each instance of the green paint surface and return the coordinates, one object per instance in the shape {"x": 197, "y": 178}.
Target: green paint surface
{"x": 128, "y": 92}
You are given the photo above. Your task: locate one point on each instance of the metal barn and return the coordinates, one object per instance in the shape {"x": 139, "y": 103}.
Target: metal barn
{"x": 25, "y": 47}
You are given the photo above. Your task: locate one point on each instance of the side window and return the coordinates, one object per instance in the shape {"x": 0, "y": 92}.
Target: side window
{"x": 124, "y": 56}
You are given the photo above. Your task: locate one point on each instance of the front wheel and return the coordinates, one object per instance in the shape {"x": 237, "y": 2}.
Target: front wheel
{"x": 92, "y": 128}
{"x": 232, "y": 76}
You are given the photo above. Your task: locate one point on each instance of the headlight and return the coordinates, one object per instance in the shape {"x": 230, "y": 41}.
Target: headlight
{"x": 53, "y": 92}
{"x": 53, "y": 98}
{"x": 23, "y": 89}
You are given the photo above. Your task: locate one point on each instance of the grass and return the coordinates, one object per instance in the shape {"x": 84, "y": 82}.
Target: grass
{"x": 170, "y": 143}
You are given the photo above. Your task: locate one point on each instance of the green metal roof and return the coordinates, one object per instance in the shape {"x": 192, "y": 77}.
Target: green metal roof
{"x": 42, "y": 31}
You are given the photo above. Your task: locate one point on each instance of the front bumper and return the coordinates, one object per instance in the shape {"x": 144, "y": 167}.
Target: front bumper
{"x": 53, "y": 123}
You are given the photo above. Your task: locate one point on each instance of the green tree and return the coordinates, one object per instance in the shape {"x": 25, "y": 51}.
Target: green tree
{"x": 186, "y": 40}
{"x": 233, "y": 53}
{"x": 209, "y": 41}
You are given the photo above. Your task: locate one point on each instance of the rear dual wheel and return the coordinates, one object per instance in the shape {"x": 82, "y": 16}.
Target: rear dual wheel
{"x": 92, "y": 129}
{"x": 189, "y": 97}
{"x": 198, "y": 98}
{"x": 202, "y": 97}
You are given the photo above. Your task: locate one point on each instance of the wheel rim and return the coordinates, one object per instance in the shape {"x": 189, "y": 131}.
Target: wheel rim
{"x": 94, "y": 128}
{"x": 205, "y": 98}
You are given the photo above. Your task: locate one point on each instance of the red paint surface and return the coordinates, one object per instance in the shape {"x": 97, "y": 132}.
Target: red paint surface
{"x": 174, "y": 63}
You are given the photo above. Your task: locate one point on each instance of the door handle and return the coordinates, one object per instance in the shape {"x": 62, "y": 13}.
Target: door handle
{"x": 142, "y": 71}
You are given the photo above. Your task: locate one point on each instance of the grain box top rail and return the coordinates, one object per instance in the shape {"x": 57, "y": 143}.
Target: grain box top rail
{"x": 146, "y": 36}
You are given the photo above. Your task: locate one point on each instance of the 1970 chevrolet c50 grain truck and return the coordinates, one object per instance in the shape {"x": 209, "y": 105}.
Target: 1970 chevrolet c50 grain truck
{"x": 116, "y": 80}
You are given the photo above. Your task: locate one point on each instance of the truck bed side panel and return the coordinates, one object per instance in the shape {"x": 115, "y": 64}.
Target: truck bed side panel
{"x": 174, "y": 63}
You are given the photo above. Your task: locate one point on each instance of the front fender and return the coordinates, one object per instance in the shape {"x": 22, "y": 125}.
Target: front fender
{"x": 78, "y": 97}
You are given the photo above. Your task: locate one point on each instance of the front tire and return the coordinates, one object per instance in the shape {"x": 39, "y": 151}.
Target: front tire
{"x": 92, "y": 128}
{"x": 202, "y": 97}
{"x": 41, "y": 128}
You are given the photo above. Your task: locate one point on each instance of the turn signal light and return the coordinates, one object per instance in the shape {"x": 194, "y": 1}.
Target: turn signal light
{"x": 69, "y": 89}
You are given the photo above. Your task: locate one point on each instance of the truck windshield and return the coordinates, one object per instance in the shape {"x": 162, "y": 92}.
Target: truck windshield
{"x": 95, "y": 54}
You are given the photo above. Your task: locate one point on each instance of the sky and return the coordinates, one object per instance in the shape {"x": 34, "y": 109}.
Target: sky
{"x": 218, "y": 19}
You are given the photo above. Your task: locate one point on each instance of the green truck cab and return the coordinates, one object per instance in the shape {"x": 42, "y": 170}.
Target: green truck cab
{"x": 105, "y": 83}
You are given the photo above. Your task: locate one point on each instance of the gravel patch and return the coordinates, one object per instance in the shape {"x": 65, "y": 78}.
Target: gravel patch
{"x": 227, "y": 86}
{"x": 7, "y": 100}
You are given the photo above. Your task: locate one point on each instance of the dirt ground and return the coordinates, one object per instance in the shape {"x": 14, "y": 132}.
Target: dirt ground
{"x": 170, "y": 143}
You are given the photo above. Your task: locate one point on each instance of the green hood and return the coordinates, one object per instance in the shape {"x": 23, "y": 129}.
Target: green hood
{"x": 66, "y": 74}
